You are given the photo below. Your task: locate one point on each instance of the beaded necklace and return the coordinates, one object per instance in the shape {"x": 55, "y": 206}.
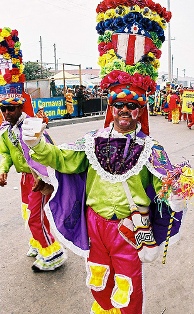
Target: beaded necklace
{"x": 12, "y": 137}
{"x": 128, "y": 148}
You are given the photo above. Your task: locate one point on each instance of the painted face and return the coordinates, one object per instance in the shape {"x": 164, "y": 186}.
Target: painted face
{"x": 125, "y": 116}
{"x": 12, "y": 113}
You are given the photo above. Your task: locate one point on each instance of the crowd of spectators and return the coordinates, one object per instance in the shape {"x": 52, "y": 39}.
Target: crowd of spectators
{"x": 89, "y": 92}
{"x": 166, "y": 102}
{"x": 169, "y": 103}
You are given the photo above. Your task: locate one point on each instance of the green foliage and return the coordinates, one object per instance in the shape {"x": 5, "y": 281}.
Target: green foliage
{"x": 34, "y": 71}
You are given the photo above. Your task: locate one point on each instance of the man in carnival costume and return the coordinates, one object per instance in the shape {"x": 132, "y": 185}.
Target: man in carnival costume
{"x": 114, "y": 175}
{"x": 34, "y": 192}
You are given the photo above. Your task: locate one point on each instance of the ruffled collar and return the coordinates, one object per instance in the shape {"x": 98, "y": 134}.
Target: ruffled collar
{"x": 141, "y": 139}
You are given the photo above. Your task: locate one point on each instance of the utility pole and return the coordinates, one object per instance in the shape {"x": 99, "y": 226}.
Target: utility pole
{"x": 172, "y": 66}
{"x": 80, "y": 74}
{"x": 55, "y": 58}
{"x": 184, "y": 72}
{"x": 41, "y": 55}
{"x": 169, "y": 49}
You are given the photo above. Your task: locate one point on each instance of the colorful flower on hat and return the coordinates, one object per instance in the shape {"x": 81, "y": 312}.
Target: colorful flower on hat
{"x": 3, "y": 81}
{"x": 6, "y": 78}
{"x": 124, "y": 22}
{"x": 109, "y": 14}
{"x": 15, "y": 78}
{"x": 156, "y": 7}
{"x": 134, "y": 29}
{"x": 10, "y": 51}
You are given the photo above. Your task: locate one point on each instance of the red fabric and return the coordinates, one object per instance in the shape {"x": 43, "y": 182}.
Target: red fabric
{"x": 110, "y": 249}
{"x": 28, "y": 108}
{"x": 191, "y": 122}
{"x": 108, "y": 117}
{"x": 132, "y": 54}
{"x": 38, "y": 222}
{"x": 1, "y": 118}
{"x": 173, "y": 102}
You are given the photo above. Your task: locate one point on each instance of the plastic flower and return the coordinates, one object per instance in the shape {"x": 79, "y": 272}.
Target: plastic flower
{"x": 10, "y": 43}
{"x": 151, "y": 55}
{"x": 157, "y": 42}
{"x": 110, "y": 3}
{"x": 14, "y": 33}
{"x": 6, "y": 31}
{"x": 134, "y": 29}
{"x": 110, "y": 55}
{"x": 14, "y": 61}
{"x": 104, "y": 47}
{"x": 101, "y": 7}
{"x": 7, "y": 77}
{"x": 2, "y": 81}
{"x": 21, "y": 68}
{"x": 15, "y": 71}
{"x": 100, "y": 17}
{"x": 10, "y": 51}
{"x": 142, "y": 17}
{"x": 100, "y": 28}
{"x": 107, "y": 36}
{"x": 118, "y": 64}
{"x": 3, "y": 50}
{"x": 109, "y": 14}
{"x": 15, "y": 78}
{"x": 156, "y": 63}
{"x": 6, "y": 56}
{"x": 121, "y": 2}
{"x": 121, "y": 10}
{"x": 17, "y": 45}
{"x": 135, "y": 8}
{"x": 102, "y": 60}
{"x": 130, "y": 69}
{"x": 118, "y": 25}
{"x": 22, "y": 78}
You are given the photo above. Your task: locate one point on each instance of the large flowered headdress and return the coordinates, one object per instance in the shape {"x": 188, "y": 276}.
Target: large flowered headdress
{"x": 131, "y": 33}
{"x": 11, "y": 71}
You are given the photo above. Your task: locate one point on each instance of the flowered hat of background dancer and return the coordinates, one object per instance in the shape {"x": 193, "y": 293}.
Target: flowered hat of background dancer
{"x": 12, "y": 77}
{"x": 131, "y": 33}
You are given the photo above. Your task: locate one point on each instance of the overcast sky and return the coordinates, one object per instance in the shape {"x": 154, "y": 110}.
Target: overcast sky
{"x": 70, "y": 25}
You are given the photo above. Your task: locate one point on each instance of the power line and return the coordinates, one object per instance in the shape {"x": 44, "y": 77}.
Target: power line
{"x": 73, "y": 5}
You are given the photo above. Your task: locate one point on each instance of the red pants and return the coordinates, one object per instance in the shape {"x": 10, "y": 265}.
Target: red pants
{"x": 109, "y": 250}
{"x": 38, "y": 222}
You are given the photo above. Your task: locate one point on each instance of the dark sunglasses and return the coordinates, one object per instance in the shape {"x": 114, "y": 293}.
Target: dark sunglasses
{"x": 8, "y": 108}
{"x": 129, "y": 105}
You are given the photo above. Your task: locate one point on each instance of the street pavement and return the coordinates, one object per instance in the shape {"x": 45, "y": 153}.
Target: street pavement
{"x": 169, "y": 288}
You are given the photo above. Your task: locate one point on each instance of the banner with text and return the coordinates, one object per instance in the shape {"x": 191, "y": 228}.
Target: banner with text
{"x": 188, "y": 99}
{"x": 54, "y": 108}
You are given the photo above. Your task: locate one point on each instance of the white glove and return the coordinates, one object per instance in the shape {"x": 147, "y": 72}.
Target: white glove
{"x": 29, "y": 136}
{"x": 176, "y": 203}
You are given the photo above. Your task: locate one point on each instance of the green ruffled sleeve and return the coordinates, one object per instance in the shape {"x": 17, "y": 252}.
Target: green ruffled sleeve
{"x": 62, "y": 160}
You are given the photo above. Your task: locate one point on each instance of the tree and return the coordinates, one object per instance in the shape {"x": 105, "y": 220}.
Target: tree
{"x": 34, "y": 71}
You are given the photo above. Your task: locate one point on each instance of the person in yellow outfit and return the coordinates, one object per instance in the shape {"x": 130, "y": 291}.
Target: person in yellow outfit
{"x": 69, "y": 103}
